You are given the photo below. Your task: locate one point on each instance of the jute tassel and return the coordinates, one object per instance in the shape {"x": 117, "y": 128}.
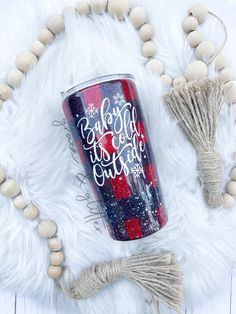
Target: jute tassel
{"x": 196, "y": 107}
{"x": 159, "y": 275}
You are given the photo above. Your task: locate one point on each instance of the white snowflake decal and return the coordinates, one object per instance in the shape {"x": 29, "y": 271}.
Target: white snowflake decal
{"x": 119, "y": 99}
{"x": 91, "y": 111}
{"x": 137, "y": 170}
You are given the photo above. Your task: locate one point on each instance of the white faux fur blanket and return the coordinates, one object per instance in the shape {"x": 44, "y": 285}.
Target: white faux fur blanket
{"x": 35, "y": 149}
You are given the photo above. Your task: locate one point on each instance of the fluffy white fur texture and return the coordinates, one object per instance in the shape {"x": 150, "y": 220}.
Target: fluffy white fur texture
{"x": 38, "y": 155}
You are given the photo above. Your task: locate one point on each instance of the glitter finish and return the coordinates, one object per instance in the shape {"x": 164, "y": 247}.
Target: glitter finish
{"x": 109, "y": 131}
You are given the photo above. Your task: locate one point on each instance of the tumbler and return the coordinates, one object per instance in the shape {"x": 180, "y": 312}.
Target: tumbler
{"x": 108, "y": 128}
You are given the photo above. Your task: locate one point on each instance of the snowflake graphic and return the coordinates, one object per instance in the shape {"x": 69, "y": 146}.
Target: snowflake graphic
{"x": 119, "y": 99}
{"x": 137, "y": 170}
{"x": 91, "y": 111}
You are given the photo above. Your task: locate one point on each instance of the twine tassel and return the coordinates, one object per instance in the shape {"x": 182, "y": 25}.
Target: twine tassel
{"x": 197, "y": 106}
{"x": 159, "y": 275}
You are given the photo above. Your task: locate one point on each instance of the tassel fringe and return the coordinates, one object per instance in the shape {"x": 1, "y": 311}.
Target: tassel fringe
{"x": 197, "y": 106}
{"x": 159, "y": 275}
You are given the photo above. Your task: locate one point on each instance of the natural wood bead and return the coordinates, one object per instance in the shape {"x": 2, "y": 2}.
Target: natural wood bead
{"x": 14, "y": 78}
{"x": 54, "y": 272}
{"x": 56, "y": 258}
{"x": 233, "y": 174}
{"x": 118, "y": 8}
{"x": 98, "y": 6}
{"x": 231, "y": 188}
{"x": 230, "y": 91}
{"x": 194, "y": 39}
{"x": 190, "y": 24}
{"x": 179, "y": 81}
{"x": 46, "y": 37}
{"x": 166, "y": 79}
{"x": 149, "y": 49}
{"x": 138, "y": 17}
{"x": 55, "y": 23}
{"x": 31, "y": 212}
{"x": 196, "y": 70}
{"x": 155, "y": 66}
{"x": 25, "y": 60}
{"x": 19, "y": 202}
{"x": 68, "y": 10}
{"x": 226, "y": 75}
{"x": 205, "y": 50}
{"x": 5, "y": 92}
{"x": 83, "y": 8}
{"x": 47, "y": 229}
{"x": 228, "y": 200}
{"x": 219, "y": 63}
{"x": 146, "y": 32}
{"x": 10, "y": 188}
{"x": 199, "y": 11}
{"x": 2, "y": 174}
{"x": 38, "y": 48}
{"x": 54, "y": 244}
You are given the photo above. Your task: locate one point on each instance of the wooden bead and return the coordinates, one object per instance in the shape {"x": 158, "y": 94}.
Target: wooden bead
{"x": 5, "y": 92}
{"x": 2, "y": 174}
{"x": 46, "y": 37}
{"x": 47, "y": 229}
{"x": 205, "y": 50}
{"x": 38, "y": 48}
{"x": 155, "y": 66}
{"x": 19, "y": 202}
{"x": 226, "y": 75}
{"x": 166, "y": 79}
{"x": 146, "y": 32}
{"x": 194, "y": 39}
{"x": 56, "y": 258}
{"x": 219, "y": 63}
{"x": 190, "y": 24}
{"x": 228, "y": 200}
{"x": 230, "y": 91}
{"x": 14, "y": 78}
{"x": 31, "y": 212}
{"x": 54, "y": 244}
{"x": 199, "y": 11}
{"x": 83, "y": 8}
{"x": 55, "y": 23}
{"x": 138, "y": 17}
{"x": 54, "y": 272}
{"x": 98, "y": 6}
{"x": 149, "y": 49}
{"x": 231, "y": 188}
{"x": 68, "y": 10}
{"x": 25, "y": 60}
{"x": 118, "y": 8}
{"x": 10, "y": 188}
{"x": 233, "y": 174}
{"x": 196, "y": 70}
{"x": 179, "y": 81}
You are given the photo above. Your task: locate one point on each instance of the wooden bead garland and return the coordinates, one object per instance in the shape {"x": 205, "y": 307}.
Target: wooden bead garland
{"x": 138, "y": 17}
{"x": 25, "y": 60}
{"x": 98, "y": 6}
{"x": 117, "y": 9}
{"x": 83, "y": 8}
{"x": 19, "y": 202}
{"x": 55, "y": 23}
{"x": 14, "y": 78}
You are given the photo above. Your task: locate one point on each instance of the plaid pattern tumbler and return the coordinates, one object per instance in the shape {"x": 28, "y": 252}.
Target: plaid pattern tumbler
{"x": 107, "y": 125}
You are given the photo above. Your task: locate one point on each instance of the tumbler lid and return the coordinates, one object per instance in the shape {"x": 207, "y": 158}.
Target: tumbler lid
{"x": 97, "y": 80}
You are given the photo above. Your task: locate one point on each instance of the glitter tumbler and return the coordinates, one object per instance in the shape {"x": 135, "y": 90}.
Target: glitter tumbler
{"x": 108, "y": 128}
